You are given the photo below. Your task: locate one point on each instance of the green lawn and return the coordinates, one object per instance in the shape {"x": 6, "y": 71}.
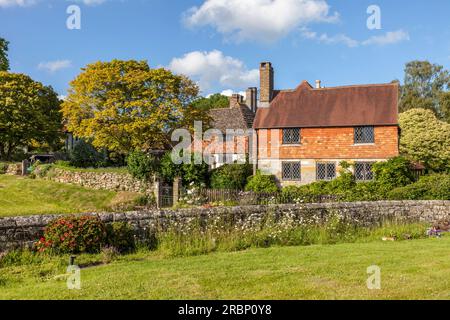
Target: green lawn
{"x": 416, "y": 269}
{"x": 24, "y": 196}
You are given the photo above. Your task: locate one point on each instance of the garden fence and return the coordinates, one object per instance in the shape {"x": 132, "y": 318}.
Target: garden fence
{"x": 239, "y": 197}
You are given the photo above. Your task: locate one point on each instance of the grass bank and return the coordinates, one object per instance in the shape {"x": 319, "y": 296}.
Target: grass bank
{"x": 24, "y": 196}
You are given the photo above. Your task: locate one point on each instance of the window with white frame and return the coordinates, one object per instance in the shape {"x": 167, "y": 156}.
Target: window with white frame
{"x": 363, "y": 171}
{"x": 364, "y": 135}
{"x": 291, "y": 171}
{"x": 325, "y": 171}
{"x": 291, "y": 136}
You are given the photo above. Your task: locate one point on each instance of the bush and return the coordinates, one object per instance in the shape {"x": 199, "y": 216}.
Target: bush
{"x": 39, "y": 170}
{"x": 365, "y": 191}
{"x": 388, "y": 175}
{"x": 394, "y": 173}
{"x": 425, "y": 139}
{"x": 432, "y": 187}
{"x": 63, "y": 164}
{"x": 191, "y": 173}
{"x": 84, "y": 155}
{"x": 262, "y": 183}
{"x": 147, "y": 200}
{"x": 231, "y": 176}
{"x": 73, "y": 235}
{"x": 141, "y": 165}
{"x": 3, "y": 168}
{"x": 120, "y": 235}
{"x": 305, "y": 194}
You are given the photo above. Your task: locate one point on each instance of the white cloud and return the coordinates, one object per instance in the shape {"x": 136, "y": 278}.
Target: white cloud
{"x": 259, "y": 20}
{"x": 53, "y": 66}
{"x": 391, "y": 37}
{"x": 20, "y": 3}
{"x": 214, "y": 69}
{"x": 90, "y": 2}
{"x": 230, "y": 92}
{"x": 325, "y": 38}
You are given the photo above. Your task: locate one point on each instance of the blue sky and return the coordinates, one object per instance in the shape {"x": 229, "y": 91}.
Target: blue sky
{"x": 219, "y": 43}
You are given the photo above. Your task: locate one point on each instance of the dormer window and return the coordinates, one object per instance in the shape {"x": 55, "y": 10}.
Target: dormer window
{"x": 291, "y": 136}
{"x": 364, "y": 135}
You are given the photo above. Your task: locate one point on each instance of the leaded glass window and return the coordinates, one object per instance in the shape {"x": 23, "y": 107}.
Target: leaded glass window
{"x": 291, "y": 136}
{"x": 363, "y": 171}
{"x": 326, "y": 171}
{"x": 291, "y": 171}
{"x": 364, "y": 135}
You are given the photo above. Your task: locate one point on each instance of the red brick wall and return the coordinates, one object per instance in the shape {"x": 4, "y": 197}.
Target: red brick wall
{"x": 332, "y": 143}
{"x": 240, "y": 143}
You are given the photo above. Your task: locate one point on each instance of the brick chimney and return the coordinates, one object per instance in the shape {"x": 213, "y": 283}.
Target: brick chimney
{"x": 235, "y": 100}
{"x": 266, "y": 77}
{"x": 251, "y": 99}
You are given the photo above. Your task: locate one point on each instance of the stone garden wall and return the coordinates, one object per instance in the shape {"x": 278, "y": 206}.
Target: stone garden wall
{"x": 101, "y": 180}
{"x": 14, "y": 169}
{"x": 23, "y": 231}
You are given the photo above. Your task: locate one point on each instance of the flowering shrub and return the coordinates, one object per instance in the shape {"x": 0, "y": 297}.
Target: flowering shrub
{"x": 73, "y": 235}
{"x": 193, "y": 196}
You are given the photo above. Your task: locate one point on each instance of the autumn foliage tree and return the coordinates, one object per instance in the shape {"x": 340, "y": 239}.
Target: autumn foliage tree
{"x": 425, "y": 139}
{"x": 124, "y": 106}
{"x": 29, "y": 114}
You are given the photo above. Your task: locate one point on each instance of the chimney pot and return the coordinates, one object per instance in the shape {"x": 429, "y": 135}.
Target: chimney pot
{"x": 318, "y": 84}
{"x": 251, "y": 99}
{"x": 235, "y": 100}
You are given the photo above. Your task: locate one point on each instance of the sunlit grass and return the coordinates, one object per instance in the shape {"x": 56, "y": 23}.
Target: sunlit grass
{"x": 416, "y": 269}
{"x": 24, "y": 196}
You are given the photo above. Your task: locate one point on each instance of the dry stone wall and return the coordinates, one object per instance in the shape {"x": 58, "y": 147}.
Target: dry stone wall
{"x": 14, "y": 169}
{"x": 18, "y": 232}
{"x": 101, "y": 180}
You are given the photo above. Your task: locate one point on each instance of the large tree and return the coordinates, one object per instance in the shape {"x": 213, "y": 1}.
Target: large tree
{"x": 125, "y": 106}
{"x": 4, "y": 62}
{"x": 29, "y": 114}
{"x": 215, "y": 101}
{"x": 425, "y": 139}
{"x": 426, "y": 86}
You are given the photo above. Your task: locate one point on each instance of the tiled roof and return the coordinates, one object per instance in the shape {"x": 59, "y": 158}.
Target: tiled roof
{"x": 331, "y": 107}
{"x": 239, "y": 117}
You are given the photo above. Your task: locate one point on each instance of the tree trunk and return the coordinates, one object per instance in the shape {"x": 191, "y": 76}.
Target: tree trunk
{"x": 9, "y": 151}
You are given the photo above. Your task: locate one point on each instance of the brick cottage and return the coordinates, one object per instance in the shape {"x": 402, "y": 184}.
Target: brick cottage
{"x": 303, "y": 134}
